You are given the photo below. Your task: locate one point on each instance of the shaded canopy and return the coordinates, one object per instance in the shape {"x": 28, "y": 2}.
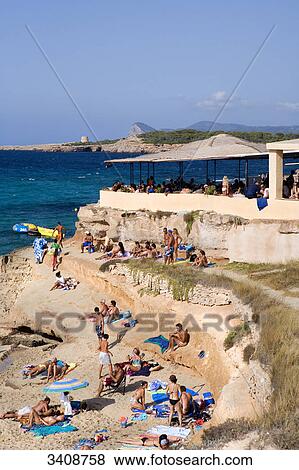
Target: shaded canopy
{"x": 221, "y": 146}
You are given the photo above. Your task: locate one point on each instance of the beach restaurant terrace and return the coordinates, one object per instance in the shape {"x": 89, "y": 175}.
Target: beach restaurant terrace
{"x": 217, "y": 150}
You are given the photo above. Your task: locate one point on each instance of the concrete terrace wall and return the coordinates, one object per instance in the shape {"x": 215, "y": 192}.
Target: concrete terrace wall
{"x": 237, "y": 206}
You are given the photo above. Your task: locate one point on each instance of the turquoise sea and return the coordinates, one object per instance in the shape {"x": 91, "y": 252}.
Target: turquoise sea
{"x": 44, "y": 188}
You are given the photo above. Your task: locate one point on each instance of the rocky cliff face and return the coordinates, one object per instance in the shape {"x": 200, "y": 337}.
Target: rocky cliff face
{"x": 233, "y": 237}
{"x": 203, "y": 229}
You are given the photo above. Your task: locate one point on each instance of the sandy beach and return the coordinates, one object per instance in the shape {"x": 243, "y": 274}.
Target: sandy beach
{"x": 79, "y": 346}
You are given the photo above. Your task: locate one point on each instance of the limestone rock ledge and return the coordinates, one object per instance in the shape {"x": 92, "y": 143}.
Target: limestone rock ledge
{"x": 204, "y": 229}
{"x": 203, "y": 295}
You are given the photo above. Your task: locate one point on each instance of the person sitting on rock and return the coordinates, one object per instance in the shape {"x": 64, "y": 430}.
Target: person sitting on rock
{"x": 178, "y": 339}
{"x": 87, "y": 241}
{"x": 113, "y": 312}
{"x": 201, "y": 260}
{"x": 137, "y": 250}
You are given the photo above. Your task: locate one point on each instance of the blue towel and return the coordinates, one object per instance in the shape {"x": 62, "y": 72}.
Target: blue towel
{"x": 160, "y": 341}
{"x": 261, "y": 203}
{"x": 41, "y": 430}
{"x": 160, "y": 397}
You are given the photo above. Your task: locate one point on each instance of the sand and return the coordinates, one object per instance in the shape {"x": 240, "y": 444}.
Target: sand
{"x": 78, "y": 346}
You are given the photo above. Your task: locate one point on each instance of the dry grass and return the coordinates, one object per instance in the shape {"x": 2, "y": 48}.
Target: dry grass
{"x": 218, "y": 436}
{"x": 280, "y": 277}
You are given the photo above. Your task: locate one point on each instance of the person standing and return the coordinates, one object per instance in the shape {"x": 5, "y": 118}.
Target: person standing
{"x": 40, "y": 248}
{"x": 55, "y": 250}
{"x": 177, "y": 241}
{"x": 173, "y": 390}
{"x": 61, "y": 233}
{"x": 100, "y": 325}
{"x": 104, "y": 356}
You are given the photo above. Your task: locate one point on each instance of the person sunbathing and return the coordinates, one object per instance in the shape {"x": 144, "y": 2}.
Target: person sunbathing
{"x": 42, "y": 408}
{"x": 135, "y": 361}
{"x": 36, "y": 418}
{"x": 112, "y": 380}
{"x": 113, "y": 312}
{"x": 178, "y": 339}
{"x": 201, "y": 260}
{"x": 117, "y": 250}
{"x": 153, "y": 252}
{"x": 186, "y": 401}
{"x": 138, "y": 398}
{"x": 137, "y": 250}
{"x": 56, "y": 371}
{"x": 60, "y": 282}
{"x": 33, "y": 371}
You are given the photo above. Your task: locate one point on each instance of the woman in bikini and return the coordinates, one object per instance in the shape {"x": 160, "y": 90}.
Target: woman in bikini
{"x": 135, "y": 361}
{"x": 173, "y": 390}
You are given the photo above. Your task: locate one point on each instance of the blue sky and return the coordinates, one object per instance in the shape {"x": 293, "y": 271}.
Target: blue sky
{"x": 168, "y": 63}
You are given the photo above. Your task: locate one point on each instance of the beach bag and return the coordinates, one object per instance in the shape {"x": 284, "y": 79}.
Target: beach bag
{"x": 126, "y": 314}
{"x": 208, "y": 399}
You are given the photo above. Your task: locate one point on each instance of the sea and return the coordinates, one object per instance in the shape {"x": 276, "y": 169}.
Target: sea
{"x": 44, "y": 187}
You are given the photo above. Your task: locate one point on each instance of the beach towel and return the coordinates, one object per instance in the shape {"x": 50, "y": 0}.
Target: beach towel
{"x": 182, "y": 433}
{"x": 139, "y": 417}
{"x": 85, "y": 442}
{"x": 160, "y": 396}
{"x": 261, "y": 202}
{"x": 160, "y": 341}
{"x": 156, "y": 385}
{"x": 41, "y": 430}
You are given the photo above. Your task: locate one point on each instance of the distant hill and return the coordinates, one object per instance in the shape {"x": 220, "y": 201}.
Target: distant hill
{"x": 232, "y": 127}
{"x": 140, "y": 128}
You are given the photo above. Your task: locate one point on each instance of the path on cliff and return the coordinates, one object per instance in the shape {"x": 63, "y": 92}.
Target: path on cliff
{"x": 277, "y": 295}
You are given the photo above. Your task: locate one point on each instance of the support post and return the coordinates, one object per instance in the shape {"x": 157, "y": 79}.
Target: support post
{"x": 131, "y": 173}
{"x": 215, "y": 171}
{"x": 246, "y": 172}
{"x": 207, "y": 171}
{"x": 239, "y": 169}
{"x": 140, "y": 174}
{"x": 275, "y": 174}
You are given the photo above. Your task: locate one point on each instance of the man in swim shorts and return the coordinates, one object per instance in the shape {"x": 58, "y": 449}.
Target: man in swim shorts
{"x": 104, "y": 356}
{"x": 178, "y": 339}
{"x": 99, "y": 323}
{"x": 112, "y": 380}
{"x": 87, "y": 241}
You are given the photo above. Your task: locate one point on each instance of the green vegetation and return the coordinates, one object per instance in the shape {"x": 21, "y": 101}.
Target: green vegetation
{"x": 184, "y": 136}
{"x": 236, "y": 334}
{"x": 180, "y": 279}
{"x": 277, "y": 349}
{"x": 190, "y": 218}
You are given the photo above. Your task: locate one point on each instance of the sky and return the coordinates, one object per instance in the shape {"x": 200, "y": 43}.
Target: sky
{"x": 168, "y": 63}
